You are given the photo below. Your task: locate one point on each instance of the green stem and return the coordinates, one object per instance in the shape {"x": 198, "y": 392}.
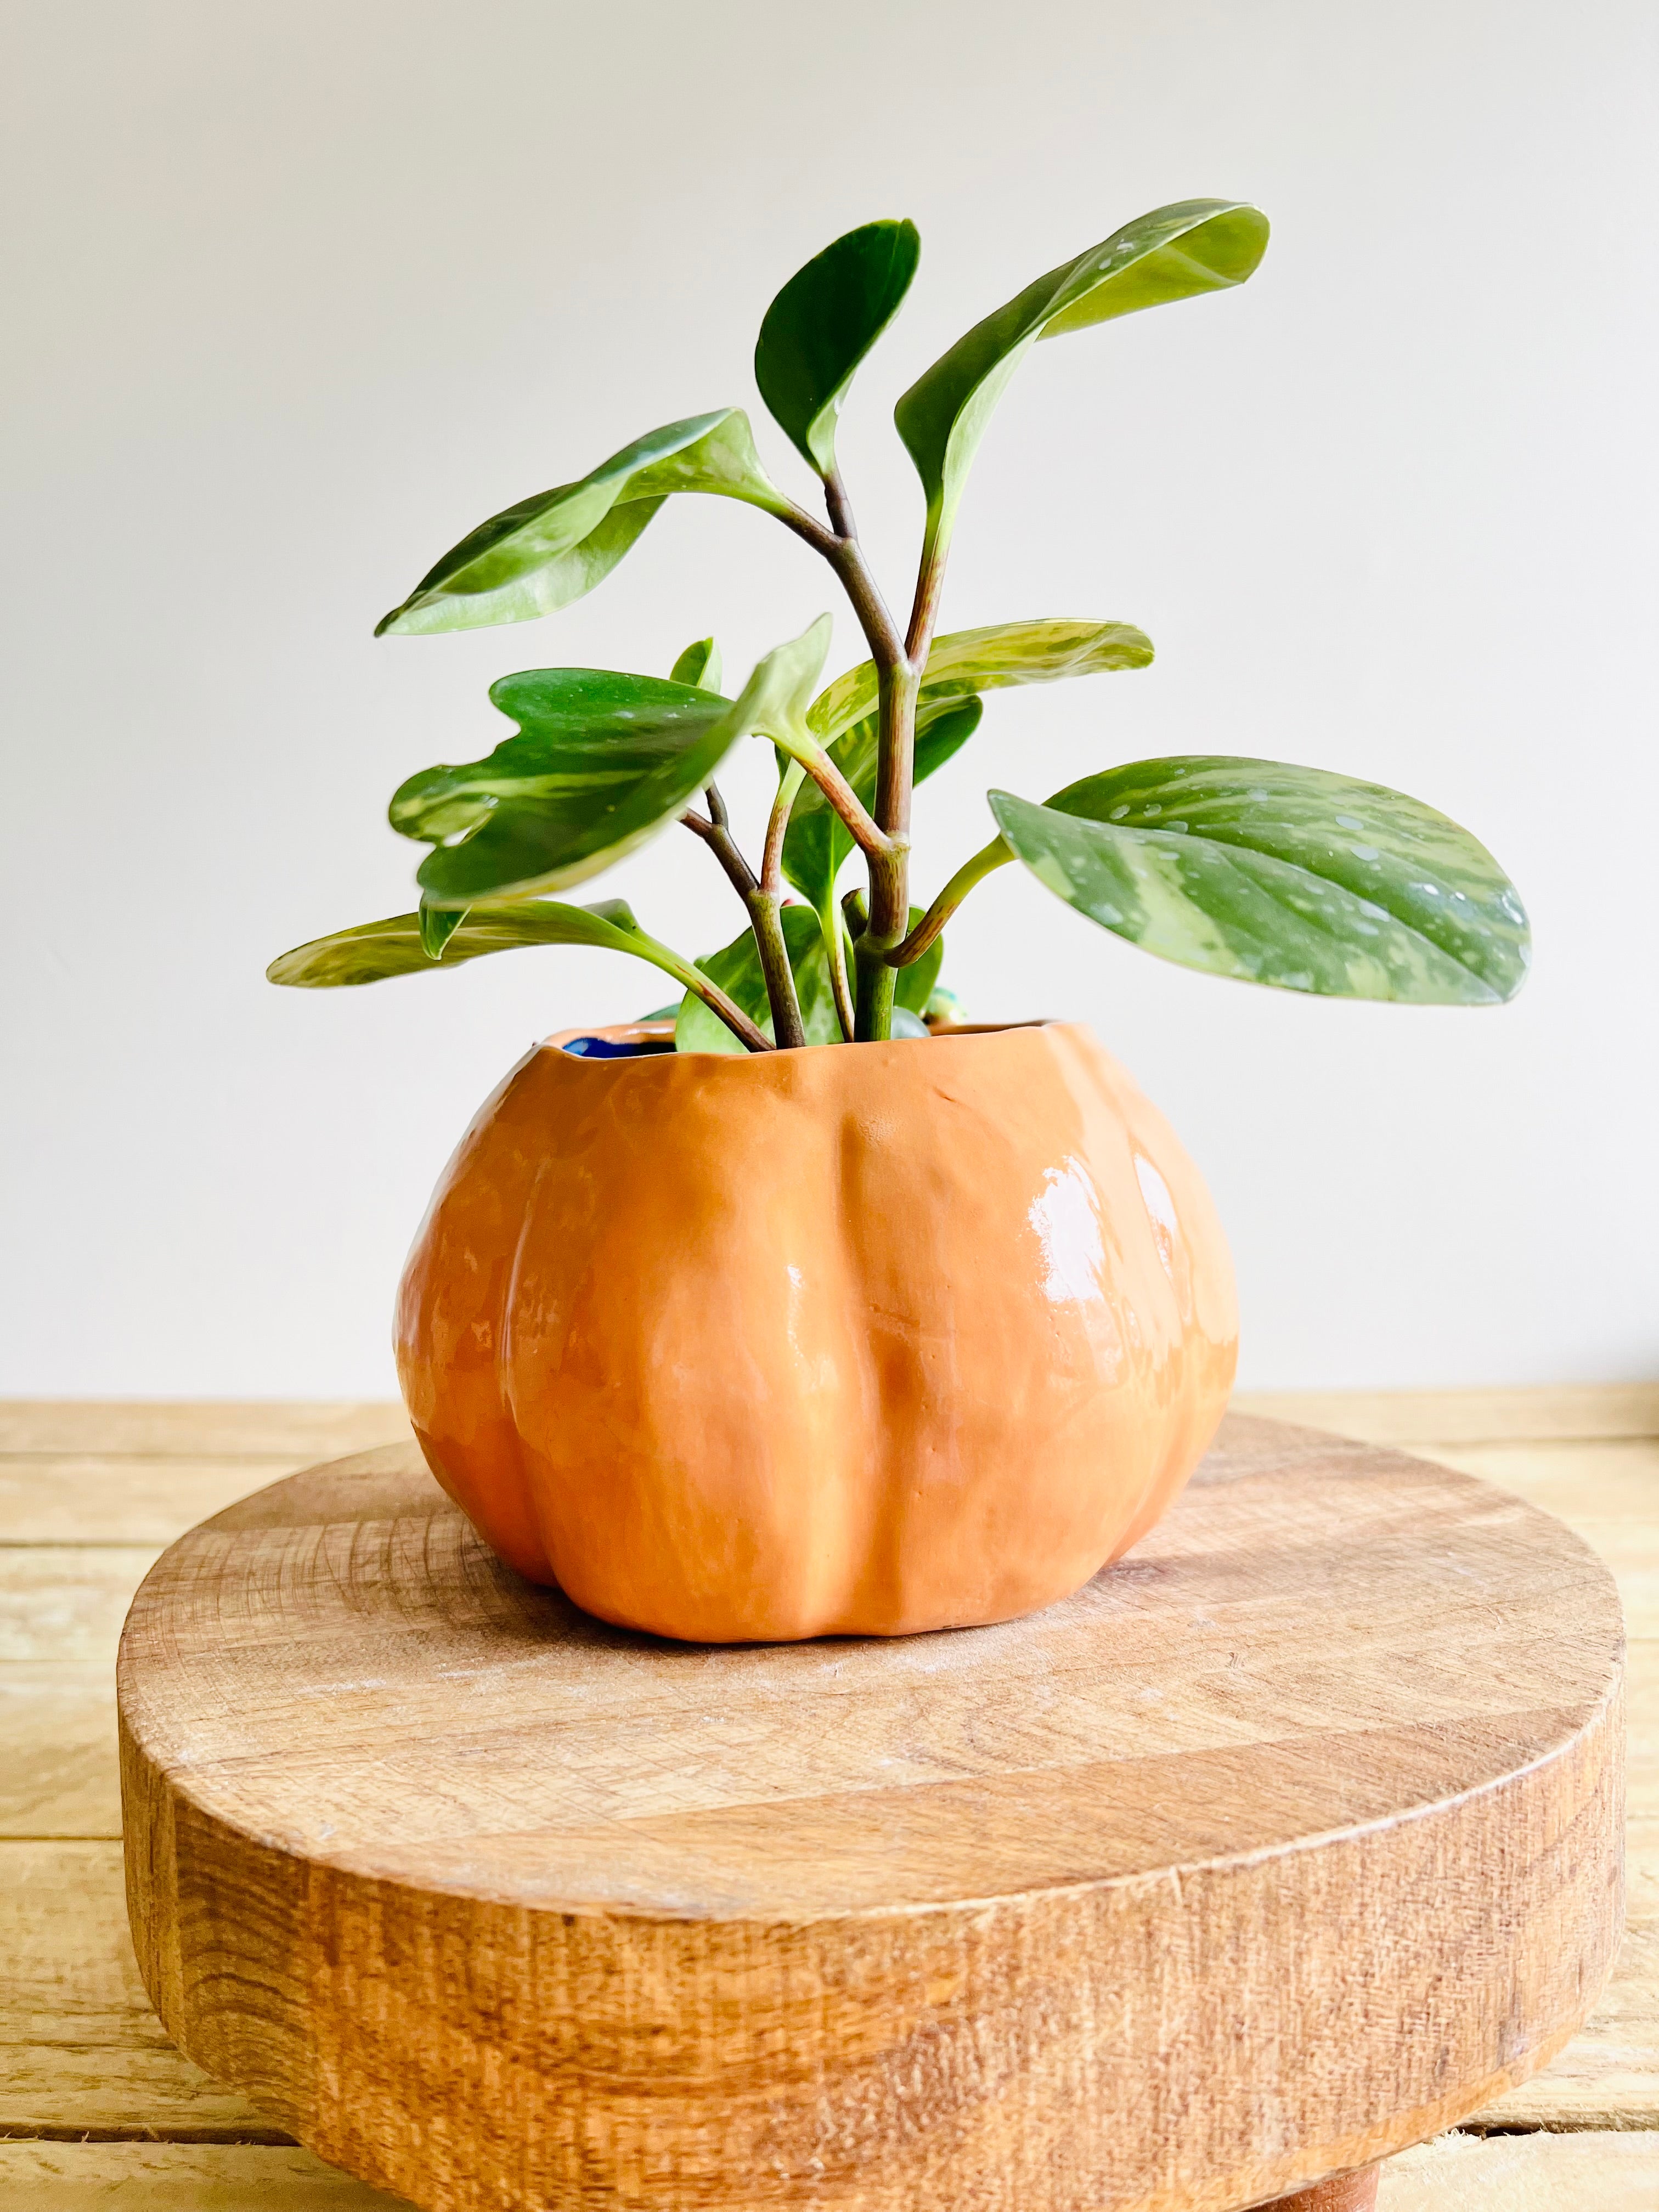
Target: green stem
{"x": 993, "y": 855}
{"x": 872, "y": 1012}
{"x": 835, "y": 947}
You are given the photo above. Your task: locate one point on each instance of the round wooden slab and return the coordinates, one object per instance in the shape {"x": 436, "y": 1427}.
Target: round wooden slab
{"x": 1288, "y": 1841}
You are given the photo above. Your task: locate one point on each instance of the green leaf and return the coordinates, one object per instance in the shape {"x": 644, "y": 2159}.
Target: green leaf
{"x": 737, "y": 969}
{"x": 1173, "y": 254}
{"x": 775, "y": 699}
{"x": 1045, "y": 651}
{"x": 438, "y": 925}
{"x": 960, "y": 665}
{"x": 1281, "y": 875}
{"x": 817, "y": 843}
{"x": 822, "y": 325}
{"x": 375, "y": 951}
{"x": 548, "y": 549}
{"x": 698, "y": 665}
{"x": 601, "y": 761}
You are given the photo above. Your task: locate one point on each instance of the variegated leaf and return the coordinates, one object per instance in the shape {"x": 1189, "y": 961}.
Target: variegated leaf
{"x": 600, "y": 762}
{"x": 1173, "y": 254}
{"x": 1275, "y": 874}
{"x": 374, "y": 952}
{"x": 538, "y": 556}
{"x": 969, "y": 661}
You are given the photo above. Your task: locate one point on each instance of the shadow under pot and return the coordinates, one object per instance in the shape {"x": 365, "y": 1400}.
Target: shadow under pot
{"x": 857, "y": 1339}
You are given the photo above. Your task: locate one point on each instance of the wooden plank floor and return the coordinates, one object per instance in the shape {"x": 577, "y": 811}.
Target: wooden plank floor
{"x": 96, "y": 2107}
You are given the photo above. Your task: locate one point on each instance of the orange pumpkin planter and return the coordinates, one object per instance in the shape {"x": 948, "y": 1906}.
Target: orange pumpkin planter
{"x": 856, "y": 1340}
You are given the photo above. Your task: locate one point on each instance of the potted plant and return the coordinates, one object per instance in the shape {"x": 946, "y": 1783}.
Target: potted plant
{"x": 800, "y": 1308}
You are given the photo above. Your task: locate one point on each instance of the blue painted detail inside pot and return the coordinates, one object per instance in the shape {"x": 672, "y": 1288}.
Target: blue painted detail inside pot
{"x": 597, "y": 1048}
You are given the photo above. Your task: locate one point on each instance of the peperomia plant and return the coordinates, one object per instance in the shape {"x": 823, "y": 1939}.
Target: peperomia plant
{"x": 1281, "y": 875}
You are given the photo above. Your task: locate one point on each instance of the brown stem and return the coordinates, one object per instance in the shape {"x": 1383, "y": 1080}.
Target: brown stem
{"x": 887, "y": 851}
{"x": 747, "y": 1032}
{"x": 861, "y": 824}
{"x": 762, "y": 901}
{"x": 771, "y": 875}
{"x": 766, "y": 915}
{"x": 890, "y": 872}
{"x": 765, "y": 903}
{"x": 840, "y": 506}
{"x": 720, "y": 842}
{"x": 821, "y": 539}
{"x": 880, "y": 630}
{"x": 930, "y": 587}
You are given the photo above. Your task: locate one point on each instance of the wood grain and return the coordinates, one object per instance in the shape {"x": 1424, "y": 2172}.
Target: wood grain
{"x": 1557, "y": 1411}
{"x": 197, "y": 1427}
{"x": 1608, "y": 2076}
{"x": 1614, "y": 1480}
{"x": 120, "y": 1497}
{"x": 1120, "y": 1905}
{"x": 194, "y": 1426}
{"x": 61, "y": 1609}
{"x": 53, "y": 2176}
{"x": 1454, "y": 2173}
{"x": 85, "y": 2061}
{"x": 1524, "y": 2174}
{"x": 82, "y": 2051}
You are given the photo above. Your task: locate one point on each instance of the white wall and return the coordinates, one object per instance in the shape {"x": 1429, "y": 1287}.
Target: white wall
{"x": 296, "y": 295}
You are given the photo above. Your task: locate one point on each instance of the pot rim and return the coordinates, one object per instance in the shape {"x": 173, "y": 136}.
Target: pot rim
{"x": 651, "y": 1037}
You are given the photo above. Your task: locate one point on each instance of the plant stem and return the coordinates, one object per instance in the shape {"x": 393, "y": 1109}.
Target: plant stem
{"x": 846, "y": 556}
{"x": 872, "y": 1008}
{"x": 890, "y": 872}
{"x": 839, "y": 506}
{"x": 703, "y": 987}
{"x": 890, "y": 875}
{"x": 719, "y": 840}
{"x": 762, "y": 901}
{"x": 747, "y": 1032}
{"x": 789, "y": 785}
{"x": 972, "y": 871}
{"x": 899, "y": 665}
{"x": 766, "y": 916}
{"x": 930, "y": 587}
{"x": 858, "y": 581}
{"x": 835, "y": 947}
{"x": 861, "y": 827}
{"x": 765, "y": 903}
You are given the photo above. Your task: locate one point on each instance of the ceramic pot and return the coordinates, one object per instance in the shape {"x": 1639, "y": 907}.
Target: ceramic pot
{"x": 857, "y": 1340}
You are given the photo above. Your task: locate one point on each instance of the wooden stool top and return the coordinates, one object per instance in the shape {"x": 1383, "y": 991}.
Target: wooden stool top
{"x": 1289, "y": 1840}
